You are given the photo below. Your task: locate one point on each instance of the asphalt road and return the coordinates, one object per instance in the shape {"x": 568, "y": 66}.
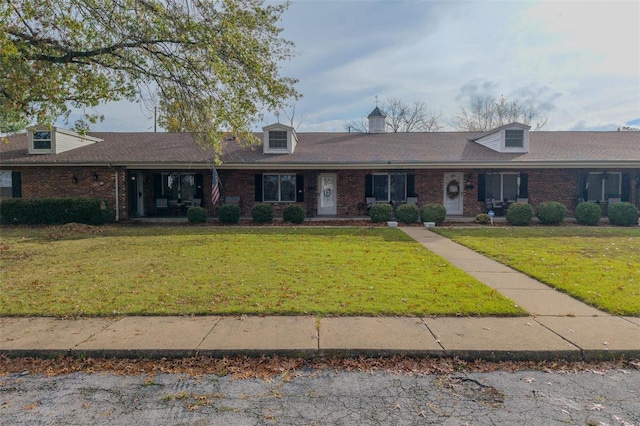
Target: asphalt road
{"x": 325, "y": 397}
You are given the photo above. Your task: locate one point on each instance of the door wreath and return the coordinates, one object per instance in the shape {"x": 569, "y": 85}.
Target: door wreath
{"x": 453, "y": 189}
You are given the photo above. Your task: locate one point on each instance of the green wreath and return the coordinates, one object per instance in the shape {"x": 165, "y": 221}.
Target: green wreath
{"x": 453, "y": 189}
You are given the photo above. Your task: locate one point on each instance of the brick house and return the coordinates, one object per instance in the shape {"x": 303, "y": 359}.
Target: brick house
{"x": 329, "y": 174}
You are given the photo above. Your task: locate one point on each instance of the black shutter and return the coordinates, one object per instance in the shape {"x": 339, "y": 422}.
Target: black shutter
{"x": 584, "y": 179}
{"x": 157, "y": 185}
{"x": 481, "y": 187}
{"x": 258, "y": 187}
{"x": 16, "y": 185}
{"x": 626, "y": 187}
{"x": 368, "y": 185}
{"x": 199, "y": 186}
{"x": 524, "y": 186}
{"x": 299, "y": 188}
{"x": 411, "y": 186}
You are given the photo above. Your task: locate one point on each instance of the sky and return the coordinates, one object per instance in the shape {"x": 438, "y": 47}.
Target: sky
{"x": 578, "y": 62}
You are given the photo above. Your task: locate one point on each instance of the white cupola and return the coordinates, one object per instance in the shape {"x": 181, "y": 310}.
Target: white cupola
{"x": 377, "y": 121}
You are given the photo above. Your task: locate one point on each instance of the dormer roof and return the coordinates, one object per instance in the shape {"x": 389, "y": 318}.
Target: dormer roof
{"x": 511, "y": 138}
{"x": 279, "y": 138}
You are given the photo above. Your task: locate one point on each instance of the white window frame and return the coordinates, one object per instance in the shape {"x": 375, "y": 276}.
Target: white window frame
{"x": 6, "y": 181}
{"x": 604, "y": 196}
{"x": 492, "y": 197}
{"x": 36, "y": 140}
{"x": 389, "y": 177}
{"x": 519, "y": 140}
{"x": 279, "y": 190}
{"x": 279, "y": 139}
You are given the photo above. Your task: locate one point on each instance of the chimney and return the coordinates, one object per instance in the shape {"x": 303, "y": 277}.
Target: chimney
{"x": 377, "y": 122}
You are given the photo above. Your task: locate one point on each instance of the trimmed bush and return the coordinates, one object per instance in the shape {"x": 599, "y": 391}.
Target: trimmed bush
{"x": 293, "y": 213}
{"x": 520, "y": 214}
{"x": 262, "y": 213}
{"x": 588, "y": 213}
{"x": 408, "y": 213}
{"x": 54, "y": 211}
{"x": 197, "y": 215}
{"x": 483, "y": 218}
{"x": 229, "y": 213}
{"x": 551, "y": 212}
{"x": 623, "y": 214}
{"x": 381, "y": 212}
{"x": 433, "y": 213}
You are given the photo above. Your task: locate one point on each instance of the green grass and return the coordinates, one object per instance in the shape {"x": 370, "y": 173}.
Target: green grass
{"x": 598, "y": 265}
{"x": 217, "y": 270}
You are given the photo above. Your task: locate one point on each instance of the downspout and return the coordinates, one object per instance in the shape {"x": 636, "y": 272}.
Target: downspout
{"x": 117, "y": 204}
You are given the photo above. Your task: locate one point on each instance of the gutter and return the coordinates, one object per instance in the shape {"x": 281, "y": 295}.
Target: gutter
{"x": 117, "y": 203}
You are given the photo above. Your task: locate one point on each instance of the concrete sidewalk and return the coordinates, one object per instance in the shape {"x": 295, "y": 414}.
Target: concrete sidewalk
{"x": 559, "y": 326}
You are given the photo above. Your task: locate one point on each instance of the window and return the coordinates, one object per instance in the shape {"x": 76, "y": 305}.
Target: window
{"x": 501, "y": 186}
{"x": 602, "y": 186}
{"x": 514, "y": 138}
{"x": 176, "y": 186}
{"x": 389, "y": 187}
{"x": 42, "y": 139}
{"x": 10, "y": 186}
{"x": 279, "y": 187}
{"x": 277, "y": 139}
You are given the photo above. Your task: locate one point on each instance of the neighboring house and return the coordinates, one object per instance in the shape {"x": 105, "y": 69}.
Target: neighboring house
{"x": 329, "y": 174}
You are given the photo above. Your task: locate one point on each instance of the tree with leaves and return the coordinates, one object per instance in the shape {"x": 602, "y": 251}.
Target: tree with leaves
{"x": 210, "y": 66}
{"x": 488, "y": 113}
{"x": 402, "y": 117}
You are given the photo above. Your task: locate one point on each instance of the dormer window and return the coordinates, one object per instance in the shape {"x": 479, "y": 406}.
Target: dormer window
{"x": 514, "y": 138}
{"x": 42, "y": 140}
{"x": 277, "y": 139}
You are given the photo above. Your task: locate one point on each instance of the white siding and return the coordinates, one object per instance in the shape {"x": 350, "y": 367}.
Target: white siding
{"x": 66, "y": 141}
{"x": 492, "y": 141}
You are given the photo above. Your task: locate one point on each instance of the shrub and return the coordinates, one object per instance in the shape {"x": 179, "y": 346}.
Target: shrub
{"x": 408, "y": 213}
{"x": 483, "y": 218}
{"x": 551, "y": 212}
{"x": 293, "y": 213}
{"x": 54, "y": 211}
{"x": 262, "y": 213}
{"x": 519, "y": 214}
{"x": 623, "y": 214}
{"x": 588, "y": 213}
{"x": 197, "y": 215}
{"x": 381, "y": 212}
{"x": 433, "y": 213}
{"x": 229, "y": 213}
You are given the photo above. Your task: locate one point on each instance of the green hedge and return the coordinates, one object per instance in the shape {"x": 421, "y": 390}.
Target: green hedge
{"x": 197, "y": 215}
{"x": 293, "y": 213}
{"x": 229, "y": 213}
{"x": 381, "y": 212}
{"x": 623, "y": 214}
{"x": 519, "y": 214}
{"x": 588, "y": 213}
{"x": 551, "y": 212}
{"x": 262, "y": 213}
{"x": 408, "y": 213}
{"x": 433, "y": 213}
{"x": 54, "y": 211}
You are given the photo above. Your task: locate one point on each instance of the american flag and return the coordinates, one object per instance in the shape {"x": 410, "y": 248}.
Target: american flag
{"x": 215, "y": 187}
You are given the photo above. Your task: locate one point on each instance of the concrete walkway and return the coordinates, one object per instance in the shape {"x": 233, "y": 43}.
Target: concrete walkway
{"x": 559, "y": 326}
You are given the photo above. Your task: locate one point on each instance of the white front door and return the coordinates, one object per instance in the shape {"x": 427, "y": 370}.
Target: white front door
{"x": 327, "y": 194}
{"x": 453, "y": 193}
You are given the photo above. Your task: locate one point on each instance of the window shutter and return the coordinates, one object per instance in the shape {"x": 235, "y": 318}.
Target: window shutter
{"x": 299, "y": 188}
{"x": 157, "y": 185}
{"x": 258, "y": 187}
{"x": 411, "y": 186}
{"x": 16, "y": 185}
{"x": 199, "y": 184}
{"x": 368, "y": 185}
{"x": 524, "y": 186}
{"x": 584, "y": 190}
{"x": 625, "y": 187}
{"x": 481, "y": 187}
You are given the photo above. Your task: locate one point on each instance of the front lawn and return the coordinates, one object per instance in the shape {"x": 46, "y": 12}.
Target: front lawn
{"x": 599, "y": 265}
{"x": 156, "y": 270}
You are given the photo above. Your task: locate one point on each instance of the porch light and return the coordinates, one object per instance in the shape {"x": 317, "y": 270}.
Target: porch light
{"x": 74, "y": 179}
{"x": 95, "y": 176}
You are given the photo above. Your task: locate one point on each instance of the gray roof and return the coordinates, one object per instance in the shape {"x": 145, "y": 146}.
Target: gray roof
{"x": 346, "y": 150}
